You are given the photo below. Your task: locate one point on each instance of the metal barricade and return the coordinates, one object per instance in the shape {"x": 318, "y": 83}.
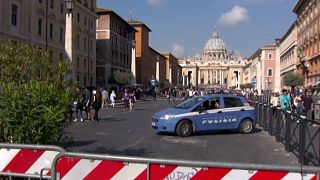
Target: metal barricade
{"x": 70, "y": 166}
{"x": 31, "y": 161}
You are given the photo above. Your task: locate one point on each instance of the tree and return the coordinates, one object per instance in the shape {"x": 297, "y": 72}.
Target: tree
{"x": 121, "y": 78}
{"x": 292, "y": 79}
{"x": 35, "y": 98}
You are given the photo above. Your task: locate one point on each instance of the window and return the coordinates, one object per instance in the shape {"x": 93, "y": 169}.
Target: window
{"x": 62, "y": 8}
{"x": 40, "y": 1}
{"x": 78, "y": 62}
{"x": 85, "y": 80}
{"x": 85, "y": 63}
{"x": 78, "y": 78}
{"x": 51, "y": 30}
{"x": 85, "y": 43}
{"x": 211, "y": 104}
{"x": 78, "y": 41}
{"x": 269, "y": 72}
{"x": 61, "y": 57}
{"x": 61, "y": 34}
{"x": 85, "y": 21}
{"x": 78, "y": 17}
{"x": 14, "y": 15}
{"x": 269, "y": 56}
{"x": 51, "y": 56}
{"x": 40, "y": 27}
{"x": 51, "y": 4}
{"x": 230, "y": 102}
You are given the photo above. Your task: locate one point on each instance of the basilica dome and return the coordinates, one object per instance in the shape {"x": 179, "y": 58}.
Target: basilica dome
{"x": 215, "y": 43}
{"x": 215, "y": 48}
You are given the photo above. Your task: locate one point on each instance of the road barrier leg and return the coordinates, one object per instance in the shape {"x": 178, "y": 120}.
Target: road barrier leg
{"x": 302, "y": 139}
{"x": 278, "y": 119}
{"x": 270, "y": 115}
{"x": 288, "y": 131}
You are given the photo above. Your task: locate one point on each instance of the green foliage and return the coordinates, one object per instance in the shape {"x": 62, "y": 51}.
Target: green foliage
{"x": 121, "y": 78}
{"x": 246, "y": 85}
{"x": 292, "y": 79}
{"x": 166, "y": 84}
{"x": 35, "y": 99}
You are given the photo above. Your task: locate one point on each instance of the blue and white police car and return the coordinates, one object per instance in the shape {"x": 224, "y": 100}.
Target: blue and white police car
{"x": 206, "y": 113}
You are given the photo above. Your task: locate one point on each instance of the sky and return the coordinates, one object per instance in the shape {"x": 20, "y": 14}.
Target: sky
{"x": 183, "y": 27}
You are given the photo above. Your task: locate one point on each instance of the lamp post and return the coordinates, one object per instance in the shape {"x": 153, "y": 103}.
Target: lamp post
{"x": 69, "y": 39}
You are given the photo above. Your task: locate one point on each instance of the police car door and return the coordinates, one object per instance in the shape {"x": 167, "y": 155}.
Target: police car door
{"x": 233, "y": 107}
{"x": 209, "y": 115}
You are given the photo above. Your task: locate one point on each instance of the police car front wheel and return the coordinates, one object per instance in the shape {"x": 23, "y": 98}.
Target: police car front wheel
{"x": 184, "y": 128}
{"x": 246, "y": 126}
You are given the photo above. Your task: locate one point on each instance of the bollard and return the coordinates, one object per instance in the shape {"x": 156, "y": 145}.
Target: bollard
{"x": 260, "y": 114}
{"x": 265, "y": 117}
{"x": 270, "y": 115}
{"x": 288, "y": 131}
{"x": 302, "y": 139}
{"x": 278, "y": 119}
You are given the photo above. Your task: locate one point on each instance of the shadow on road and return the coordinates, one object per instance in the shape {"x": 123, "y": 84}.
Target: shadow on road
{"x": 126, "y": 152}
{"x": 82, "y": 143}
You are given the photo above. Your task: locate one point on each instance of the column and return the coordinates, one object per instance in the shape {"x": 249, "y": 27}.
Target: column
{"x": 158, "y": 71}
{"x": 222, "y": 77}
{"x": 216, "y": 76}
{"x": 170, "y": 74}
{"x": 133, "y": 65}
{"x": 199, "y": 76}
{"x": 71, "y": 74}
{"x": 183, "y": 80}
{"x": 187, "y": 80}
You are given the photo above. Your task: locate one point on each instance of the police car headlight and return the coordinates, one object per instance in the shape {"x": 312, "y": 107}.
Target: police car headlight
{"x": 167, "y": 116}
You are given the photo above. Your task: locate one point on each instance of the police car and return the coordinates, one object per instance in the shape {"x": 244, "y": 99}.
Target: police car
{"x": 206, "y": 113}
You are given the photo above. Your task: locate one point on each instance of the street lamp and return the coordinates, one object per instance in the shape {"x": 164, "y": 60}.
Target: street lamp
{"x": 69, "y": 5}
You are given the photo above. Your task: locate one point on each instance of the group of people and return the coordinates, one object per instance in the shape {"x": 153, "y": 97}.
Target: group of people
{"x": 96, "y": 100}
{"x": 297, "y": 100}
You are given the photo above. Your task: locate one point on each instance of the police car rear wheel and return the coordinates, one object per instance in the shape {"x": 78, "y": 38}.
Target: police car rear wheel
{"x": 246, "y": 126}
{"x": 184, "y": 128}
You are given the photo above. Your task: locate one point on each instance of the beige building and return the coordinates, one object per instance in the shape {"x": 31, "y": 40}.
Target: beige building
{"x": 288, "y": 52}
{"x": 39, "y": 23}
{"x": 216, "y": 67}
{"x": 308, "y": 35}
{"x": 81, "y": 42}
{"x": 114, "y": 45}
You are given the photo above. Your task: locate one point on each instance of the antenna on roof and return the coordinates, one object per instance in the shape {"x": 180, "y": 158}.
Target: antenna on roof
{"x": 131, "y": 13}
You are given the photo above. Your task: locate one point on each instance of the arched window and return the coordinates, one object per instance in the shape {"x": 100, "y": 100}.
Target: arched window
{"x": 270, "y": 56}
{"x": 269, "y": 72}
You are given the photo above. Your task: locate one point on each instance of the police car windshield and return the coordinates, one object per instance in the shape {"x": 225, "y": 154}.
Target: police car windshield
{"x": 189, "y": 103}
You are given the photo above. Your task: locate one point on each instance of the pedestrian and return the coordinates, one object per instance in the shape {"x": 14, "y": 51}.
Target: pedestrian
{"x": 173, "y": 94}
{"x": 285, "y": 100}
{"x": 132, "y": 99}
{"x": 96, "y": 105}
{"x": 113, "y": 98}
{"x": 79, "y": 108}
{"x": 87, "y": 102}
{"x": 125, "y": 99}
{"x": 154, "y": 94}
{"x": 298, "y": 103}
{"x": 105, "y": 99}
{"x": 307, "y": 105}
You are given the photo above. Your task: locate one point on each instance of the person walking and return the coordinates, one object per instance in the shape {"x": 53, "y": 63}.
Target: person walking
{"x": 125, "y": 99}
{"x": 87, "y": 103}
{"x": 132, "y": 99}
{"x": 285, "y": 100}
{"x": 96, "y": 105}
{"x": 105, "y": 99}
{"x": 307, "y": 105}
{"x": 113, "y": 98}
{"x": 79, "y": 108}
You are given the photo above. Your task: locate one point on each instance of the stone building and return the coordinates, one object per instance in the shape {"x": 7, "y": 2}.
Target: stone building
{"x": 288, "y": 52}
{"x": 308, "y": 28}
{"x": 39, "y": 23}
{"x": 114, "y": 45}
{"x": 216, "y": 67}
{"x": 150, "y": 64}
{"x": 80, "y": 43}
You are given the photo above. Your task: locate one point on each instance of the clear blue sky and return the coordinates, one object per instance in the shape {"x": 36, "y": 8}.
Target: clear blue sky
{"x": 184, "y": 26}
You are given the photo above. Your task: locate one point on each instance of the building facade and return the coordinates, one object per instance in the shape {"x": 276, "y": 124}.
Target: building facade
{"x": 288, "y": 52}
{"x": 40, "y": 23}
{"x": 172, "y": 69}
{"x": 216, "y": 67}
{"x": 114, "y": 45}
{"x": 81, "y": 42}
{"x": 150, "y": 64}
{"x": 308, "y": 28}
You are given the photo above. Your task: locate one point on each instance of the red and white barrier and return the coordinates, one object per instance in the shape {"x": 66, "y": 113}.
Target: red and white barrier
{"x": 25, "y": 161}
{"x": 76, "y": 168}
